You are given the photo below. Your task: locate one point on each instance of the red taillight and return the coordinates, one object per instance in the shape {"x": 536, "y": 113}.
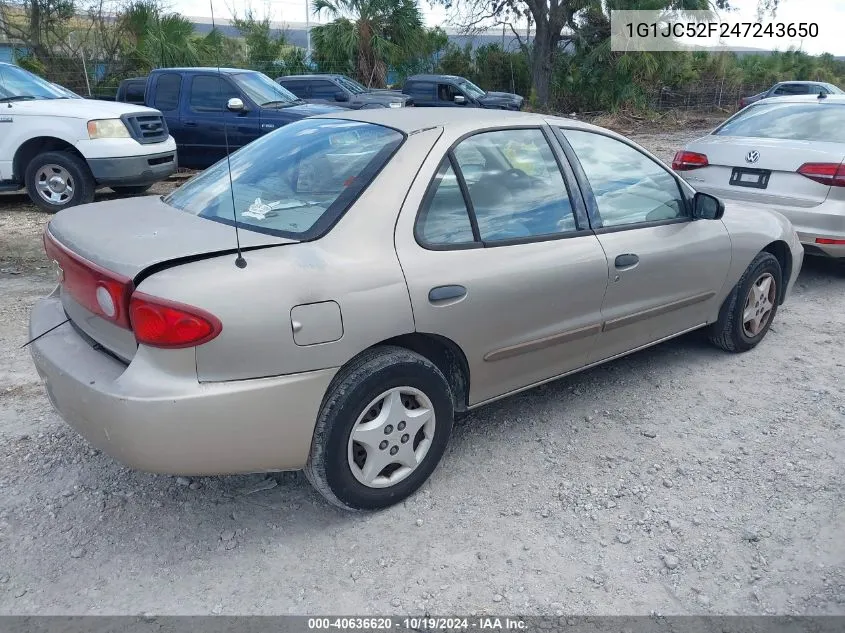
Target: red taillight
{"x": 684, "y": 161}
{"x": 162, "y": 323}
{"x": 830, "y": 242}
{"x": 830, "y": 174}
{"x": 98, "y": 290}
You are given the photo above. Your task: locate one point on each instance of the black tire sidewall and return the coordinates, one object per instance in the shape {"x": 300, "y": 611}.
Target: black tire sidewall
{"x": 765, "y": 265}
{"x": 84, "y": 191}
{"x": 338, "y": 475}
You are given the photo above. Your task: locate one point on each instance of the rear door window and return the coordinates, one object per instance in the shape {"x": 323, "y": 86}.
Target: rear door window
{"x": 789, "y": 121}
{"x": 167, "y": 92}
{"x": 135, "y": 93}
{"x": 421, "y": 90}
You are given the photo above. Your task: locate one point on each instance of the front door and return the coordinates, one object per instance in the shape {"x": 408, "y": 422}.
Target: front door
{"x": 203, "y": 121}
{"x": 665, "y": 268}
{"x": 498, "y": 258}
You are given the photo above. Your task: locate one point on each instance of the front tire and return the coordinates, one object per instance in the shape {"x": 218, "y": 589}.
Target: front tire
{"x": 382, "y": 429}
{"x": 58, "y": 180}
{"x": 749, "y": 310}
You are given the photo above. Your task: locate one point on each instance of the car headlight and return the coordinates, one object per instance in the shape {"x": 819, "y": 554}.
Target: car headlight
{"x": 107, "y": 128}
{"x": 395, "y": 104}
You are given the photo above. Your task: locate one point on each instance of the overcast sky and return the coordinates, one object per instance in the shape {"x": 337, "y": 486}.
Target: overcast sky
{"x": 828, "y": 14}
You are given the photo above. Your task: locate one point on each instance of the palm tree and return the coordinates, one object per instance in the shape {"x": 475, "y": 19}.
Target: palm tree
{"x": 365, "y": 36}
{"x": 159, "y": 40}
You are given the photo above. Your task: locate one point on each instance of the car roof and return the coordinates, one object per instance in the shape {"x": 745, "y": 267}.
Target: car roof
{"x": 803, "y": 83}
{"x": 205, "y": 69}
{"x": 311, "y": 76}
{"x": 838, "y": 99}
{"x": 433, "y": 77}
{"x": 409, "y": 120}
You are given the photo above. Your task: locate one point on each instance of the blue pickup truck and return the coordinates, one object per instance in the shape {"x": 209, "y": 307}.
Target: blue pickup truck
{"x": 196, "y": 102}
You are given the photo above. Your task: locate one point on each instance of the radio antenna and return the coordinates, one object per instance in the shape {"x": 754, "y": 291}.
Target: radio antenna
{"x": 240, "y": 262}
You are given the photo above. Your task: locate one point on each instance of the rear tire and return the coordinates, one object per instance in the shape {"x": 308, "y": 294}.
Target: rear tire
{"x": 388, "y": 405}
{"x": 58, "y": 180}
{"x": 749, "y": 310}
{"x": 131, "y": 190}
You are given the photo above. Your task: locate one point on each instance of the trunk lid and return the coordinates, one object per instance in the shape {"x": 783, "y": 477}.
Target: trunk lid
{"x": 780, "y": 157}
{"x": 119, "y": 240}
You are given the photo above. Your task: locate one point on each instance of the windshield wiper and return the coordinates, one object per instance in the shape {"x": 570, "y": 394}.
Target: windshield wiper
{"x": 17, "y": 98}
{"x": 280, "y": 102}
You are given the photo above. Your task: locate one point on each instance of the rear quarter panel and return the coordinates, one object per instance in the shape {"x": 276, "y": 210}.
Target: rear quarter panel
{"x": 354, "y": 265}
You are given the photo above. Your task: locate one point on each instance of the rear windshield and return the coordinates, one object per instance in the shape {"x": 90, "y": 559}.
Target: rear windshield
{"x": 294, "y": 182}
{"x": 791, "y": 121}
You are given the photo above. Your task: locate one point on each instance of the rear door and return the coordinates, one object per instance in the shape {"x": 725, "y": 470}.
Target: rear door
{"x": 498, "y": 257}
{"x": 164, "y": 97}
{"x": 665, "y": 267}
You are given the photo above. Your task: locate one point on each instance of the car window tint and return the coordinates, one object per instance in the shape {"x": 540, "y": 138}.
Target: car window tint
{"x": 323, "y": 90}
{"x": 135, "y": 93}
{"x": 296, "y": 87}
{"x": 421, "y": 90}
{"x": 629, "y": 187}
{"x": 792, "y": 121}
{"x": 515, "y": 185}
{"x": 210, "y": 94}
{"x": 291, "y": 182}
{"x": 167, "y": 92}
{"x": 444, "y": 218}
{"x": 447, "y": 92}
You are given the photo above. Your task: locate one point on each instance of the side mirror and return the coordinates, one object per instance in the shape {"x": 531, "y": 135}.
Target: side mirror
{"x": 460, "y": 99}
{"x": 707, "y": 207}
{"x": 341, "y": 96}
{"x": 235, "y": 105}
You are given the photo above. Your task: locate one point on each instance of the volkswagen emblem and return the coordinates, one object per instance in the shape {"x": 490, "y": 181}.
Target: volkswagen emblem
{"x": 752, "y": 157}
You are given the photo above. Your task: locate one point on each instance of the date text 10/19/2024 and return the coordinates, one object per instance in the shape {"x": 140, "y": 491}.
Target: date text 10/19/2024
{"x": 417, "y": 624}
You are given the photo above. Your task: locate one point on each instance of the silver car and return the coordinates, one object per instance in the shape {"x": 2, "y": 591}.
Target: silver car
{"x": 784, "y": 153}
{"x": 397, "y": 267}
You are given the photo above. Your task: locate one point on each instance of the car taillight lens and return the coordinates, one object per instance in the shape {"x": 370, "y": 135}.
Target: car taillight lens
{"x": 830, "y": 242}
{"x": 96, "y": 289}
{"x": 162, "y": 323}
{"x": 684, "y": 161}
{"x": 831, "y": 174}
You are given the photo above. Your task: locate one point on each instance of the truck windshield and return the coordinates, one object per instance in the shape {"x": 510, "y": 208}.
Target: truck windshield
{"x": 351, "y": 85}
{"x": 263, "y": 90}
{"x": 294, "y": 182}
{"x": 19, "y": 84}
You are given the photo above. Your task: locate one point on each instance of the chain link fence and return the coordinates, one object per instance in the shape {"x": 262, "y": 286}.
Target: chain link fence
{"x": 100, "y": 80}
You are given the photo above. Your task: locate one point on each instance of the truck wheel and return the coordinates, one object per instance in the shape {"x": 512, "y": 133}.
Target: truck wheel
{"x": 131, "y": 190}
{"x": 57, "y": 180}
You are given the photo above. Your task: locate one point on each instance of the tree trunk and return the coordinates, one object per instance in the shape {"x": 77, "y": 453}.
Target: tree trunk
{"x": 542, "y": 62}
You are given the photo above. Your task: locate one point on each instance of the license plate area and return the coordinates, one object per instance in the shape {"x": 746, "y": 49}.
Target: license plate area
{"x": 754, "y": 178}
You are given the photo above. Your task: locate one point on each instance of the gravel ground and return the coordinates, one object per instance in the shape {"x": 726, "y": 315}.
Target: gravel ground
{"x": 679, "y": 480}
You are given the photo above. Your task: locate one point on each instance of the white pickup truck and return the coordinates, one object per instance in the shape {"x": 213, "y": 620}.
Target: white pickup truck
{"x": 61, "y": 149}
